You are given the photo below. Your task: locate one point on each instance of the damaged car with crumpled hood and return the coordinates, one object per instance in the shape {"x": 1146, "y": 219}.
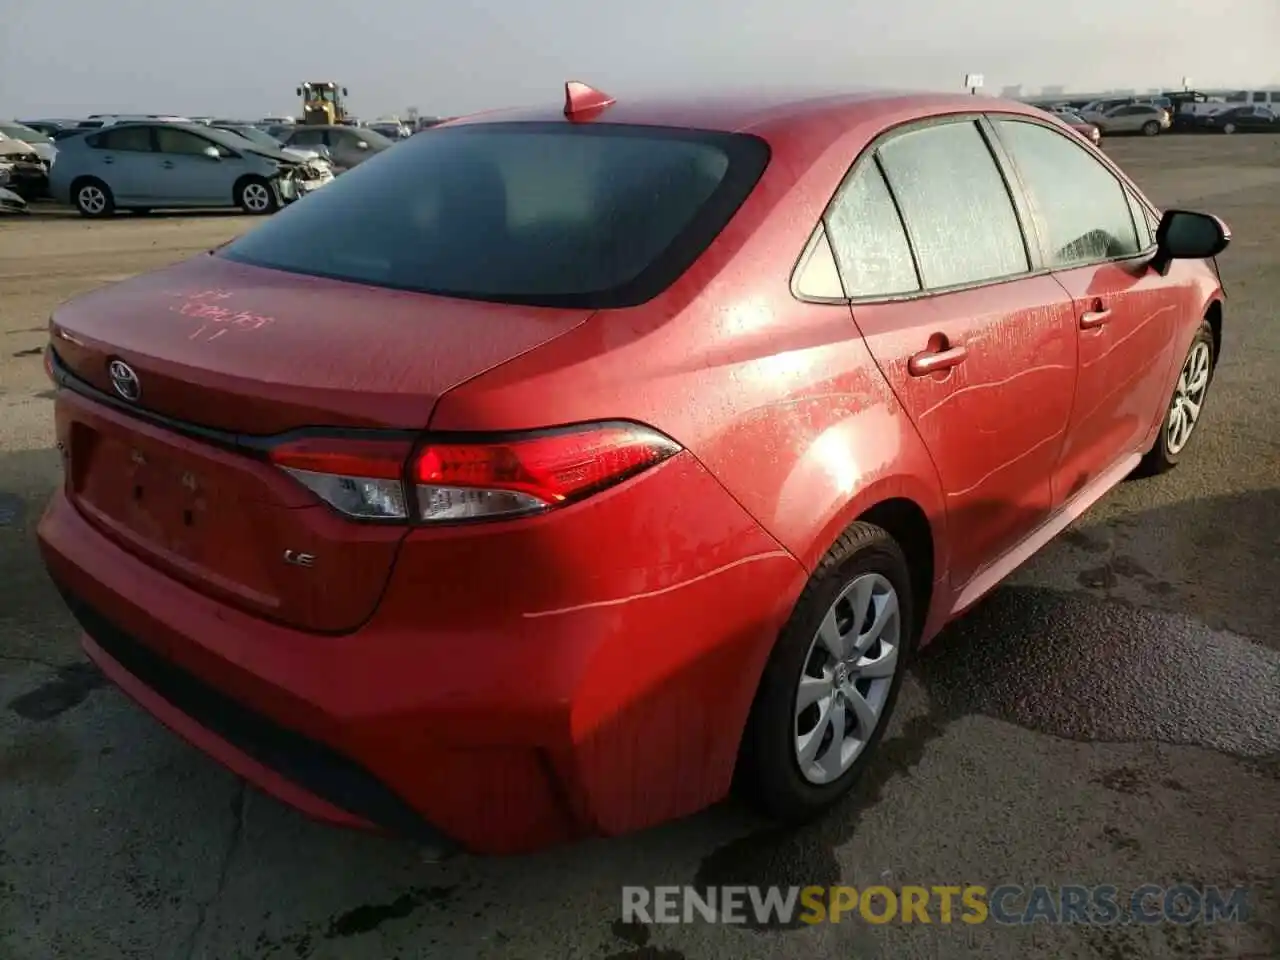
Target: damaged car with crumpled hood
{"x": 148, "y": 166}
{"x": 24, "y": 171}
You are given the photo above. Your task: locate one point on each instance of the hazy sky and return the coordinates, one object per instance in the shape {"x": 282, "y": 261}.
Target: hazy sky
{"x": 245, "y": 57}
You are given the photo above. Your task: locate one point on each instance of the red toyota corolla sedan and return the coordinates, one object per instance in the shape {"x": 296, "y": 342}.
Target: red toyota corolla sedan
{"x": 543, "y": 476}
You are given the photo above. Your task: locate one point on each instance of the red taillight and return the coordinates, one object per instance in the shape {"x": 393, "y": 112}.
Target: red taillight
{"x": 471, "y": 480}
{"x": 383, "y": 459}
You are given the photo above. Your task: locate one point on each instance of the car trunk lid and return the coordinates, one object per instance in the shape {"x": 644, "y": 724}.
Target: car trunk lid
{"x": 227, "y": 356}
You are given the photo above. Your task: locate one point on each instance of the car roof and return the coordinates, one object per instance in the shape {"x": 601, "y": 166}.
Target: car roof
{"x": 743, "y": 110}
{"x": 801, "y": 123}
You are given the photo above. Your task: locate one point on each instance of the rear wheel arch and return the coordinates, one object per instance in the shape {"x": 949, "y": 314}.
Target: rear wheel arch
{"x": 908, "y": 524}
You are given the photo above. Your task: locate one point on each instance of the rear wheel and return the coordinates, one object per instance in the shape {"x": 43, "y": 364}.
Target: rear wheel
{"x": 93, "y": 198}
{"x": 830, "y": 685}
{"x": 255, "y": 196}
{"x": 1150, "y": 129}
{"x": 1185, "y": 406}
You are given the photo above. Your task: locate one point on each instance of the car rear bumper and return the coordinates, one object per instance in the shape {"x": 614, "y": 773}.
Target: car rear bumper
{"x": 617, "y": 708}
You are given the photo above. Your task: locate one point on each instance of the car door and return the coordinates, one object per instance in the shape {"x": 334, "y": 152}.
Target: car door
{"x": 977, "y": 348}
{"x": 1096, "y": 239}
{"x": 1122, "y": 120}
{"x": 124, "y": 159}
{"x": 188, "y": 176}
{"x": 344, "y": 144}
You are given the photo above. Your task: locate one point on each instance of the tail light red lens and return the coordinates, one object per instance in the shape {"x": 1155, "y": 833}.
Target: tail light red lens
{"x": 467, "y": 481}
{"x": 458, "y": 480}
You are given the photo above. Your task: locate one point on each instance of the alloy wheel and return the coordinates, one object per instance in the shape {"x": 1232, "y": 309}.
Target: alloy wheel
{"x": 1188, "y": 398}
{"x": 257, "y": 198}
{"x": 92, "y": 199}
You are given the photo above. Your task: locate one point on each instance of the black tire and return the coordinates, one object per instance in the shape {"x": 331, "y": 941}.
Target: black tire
{"x": 1162, "y": 457}
{"x": 769, "y": 774}
{"x": 93, "y": 198}
{"x": 256, "y": 197}
{"x": 1150, "y": 129}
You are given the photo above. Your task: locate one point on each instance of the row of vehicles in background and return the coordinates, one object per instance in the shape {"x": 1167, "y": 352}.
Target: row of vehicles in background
{"x": 25, "y": 158}
{"x": 110, "y": 162}
{"x": 1180, "y": 111}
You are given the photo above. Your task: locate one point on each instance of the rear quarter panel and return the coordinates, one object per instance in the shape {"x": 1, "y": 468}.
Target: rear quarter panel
{"x": 779, "y": 399}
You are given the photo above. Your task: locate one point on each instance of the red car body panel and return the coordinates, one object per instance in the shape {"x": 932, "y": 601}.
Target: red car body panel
{"x": 240, "y": 348}
{"x": 588, "y": 671}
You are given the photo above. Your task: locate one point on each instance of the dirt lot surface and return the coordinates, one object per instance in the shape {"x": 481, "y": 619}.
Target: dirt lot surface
{"x": 1111, "y": 715}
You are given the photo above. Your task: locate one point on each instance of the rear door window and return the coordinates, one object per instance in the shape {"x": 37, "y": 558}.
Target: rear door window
{"x": 1080, "y": 206}
{"x": 587, "y": 216}
{"x": 959, "y": 215}
{"x": 868, "y": 239}
{"x": 135, "y": 139}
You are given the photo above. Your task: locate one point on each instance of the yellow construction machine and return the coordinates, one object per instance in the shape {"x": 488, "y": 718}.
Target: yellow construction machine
{"x": 322, "y": 102}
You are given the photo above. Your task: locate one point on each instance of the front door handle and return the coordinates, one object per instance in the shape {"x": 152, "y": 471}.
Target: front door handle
{"x": 168, "y": 164}
{"x": 935, "y": 361}
{"x": 1094, "y": 318}
{"x": 108, "y": 159}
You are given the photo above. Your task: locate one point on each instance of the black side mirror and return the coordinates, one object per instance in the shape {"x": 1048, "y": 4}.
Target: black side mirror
{"x": 298, "y": 92}
{"x": 344, "y": 92}
{"x": 1186, "y": 235}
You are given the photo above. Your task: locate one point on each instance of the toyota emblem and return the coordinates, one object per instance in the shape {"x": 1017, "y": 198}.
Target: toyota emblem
{"x": 124, "y": 380}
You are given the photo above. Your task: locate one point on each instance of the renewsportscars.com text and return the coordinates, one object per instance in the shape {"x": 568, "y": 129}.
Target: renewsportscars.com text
{"x": 969, "y": 904}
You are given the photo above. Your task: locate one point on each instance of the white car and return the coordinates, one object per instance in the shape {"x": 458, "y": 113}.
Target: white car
{"x": 41, "y": 144}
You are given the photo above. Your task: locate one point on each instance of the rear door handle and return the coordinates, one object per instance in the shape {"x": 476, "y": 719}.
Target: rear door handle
{"x": 1094, "y": 318}
{"x": 108, "y": 159}
{"x": 933, "y": 361}
{"x": 168, "y": 164}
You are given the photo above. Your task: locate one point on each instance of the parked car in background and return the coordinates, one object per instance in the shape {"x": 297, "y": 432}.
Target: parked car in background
{"x": 391, "y": 129}
{"x": 1250, "y": 119}
{"x": 1081, "y": 126}
{"x": 49, "y": 127}
{"x": 1142, "y": 118}
{"x": 72, "y": 131}
{"x": 110, "y": 119}
{"x": 1256, "y": 98}
{"x": 263, "y": 139}
{"x": 26, "y": 173}
{"x": 145, "y": 166}
{"x": 39, "y": 142}
{"x": 348, "y": 146}
{"x": 702, "y": 416}
{"x": 1100, "y": 107}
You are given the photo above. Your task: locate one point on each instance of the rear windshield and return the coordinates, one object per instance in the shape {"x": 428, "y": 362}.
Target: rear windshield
{"x": 592, "y": 216}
